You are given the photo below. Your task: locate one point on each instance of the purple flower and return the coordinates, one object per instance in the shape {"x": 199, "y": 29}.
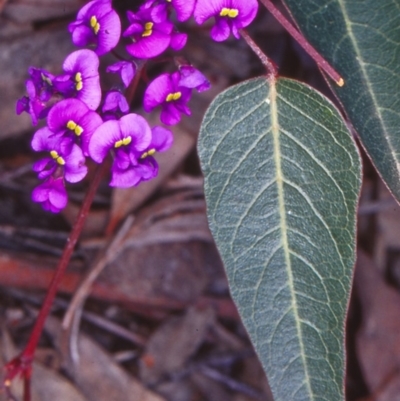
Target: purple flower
{"x": 51, "y": 194}
{"x": 178, "y": 40}
{"x": 183, "y": 8}
{"x": 40, "y": 89}
{"x": 115, "y": 105}
{"x": 230, "y": 16}
{"x": 193, "y": 78}
{"x": 43, "y": 82}
{"x": 150, "y": 31}
{"x": 97, "y": 23}
{"x": 64, "y": 156}
{"x": 147, "y": 167}
{"x": 129, "y": 137}
{"x": 81, "y": 79}
{"x": 126, "y": 69}
{"x": 31, "y": 104}
{"x": 166, "y": 92}
{"x": 73, "y": 118}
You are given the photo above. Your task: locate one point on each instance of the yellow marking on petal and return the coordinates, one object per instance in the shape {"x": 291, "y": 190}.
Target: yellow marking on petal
{"x": 148, "y": 153}
{"x": 78, "y": 130}
{"x": 148, "y": 29}
{"x": 229, "y": 12}
{"x": 94, "y": 24}
{"x": 123, "y": 142}
{"x": 173, "y": 96}
{"x": 54, "y": 154}
{"x": 71, "y": 125}
{"x": 78, "y": 80}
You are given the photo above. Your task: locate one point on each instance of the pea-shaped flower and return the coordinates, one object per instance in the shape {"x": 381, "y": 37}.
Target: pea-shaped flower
{"x": 51, "y": 194}
{"x": 165, "y": 91}
{"x": 98, "y": 24}
{"x": 151, "y": 32}
{"x": 128, "y": 138}
{"x": 147, "y": 167}
{"x": 81, "y": 79}
{"x": 230, "y": 16}
{"x": 72, "y": 118}
{"x": 64, "y": 157}
{"x": 40, "y": 89}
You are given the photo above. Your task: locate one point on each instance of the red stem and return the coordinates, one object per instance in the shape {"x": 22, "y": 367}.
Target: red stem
{"x": 22, "y": 364}
{"x": 269, "y": 64}
{"x": 301, "y": 40}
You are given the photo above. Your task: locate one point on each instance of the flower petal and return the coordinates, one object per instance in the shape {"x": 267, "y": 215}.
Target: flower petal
{"x": 138, "y": 128}
{"x": 184, "y": 9}
{"x": 162, "y": 139}
{"x": 109, "y": 33}
{"x": 205, "y": 9}
{"x": 103, "y": 139}
{"x": 221, "y": 30}
{"x": 157, "y": 92}
{"x": 150, "y": 46}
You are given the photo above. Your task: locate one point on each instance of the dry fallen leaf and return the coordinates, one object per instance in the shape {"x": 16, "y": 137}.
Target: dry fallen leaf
{"x": 170, "y": 347}
{"x": 96, "y": 374}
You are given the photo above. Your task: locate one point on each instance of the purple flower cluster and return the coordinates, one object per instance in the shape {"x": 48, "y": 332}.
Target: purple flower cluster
{"x": 82, "y": 123}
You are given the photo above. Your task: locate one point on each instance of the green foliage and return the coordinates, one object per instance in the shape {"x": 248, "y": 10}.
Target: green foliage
{"x": 282, "y": 178}
{"x": 361, "y": 39}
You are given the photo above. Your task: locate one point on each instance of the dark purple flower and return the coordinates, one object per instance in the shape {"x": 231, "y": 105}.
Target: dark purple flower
{"x": 128, "y": 137}
{"x": 166, "y": 92}
{"x": 150, "y": 31}
{"x": 230, "y": 16}
{"x": 73, "y": 118}
{"x": 193, "y": 78}
{"x": 81, "y": 79}
{"x": 31, "y": 104}
{"x": 115, "y": 105}
{"x": 39, "y": 89}
{"x": 64, "y": 156}
{"x": 43, "y": 82}
{"x": 126, "y": 69}
{"x": 97, "y": 23}
{"x": 51, "y": 194}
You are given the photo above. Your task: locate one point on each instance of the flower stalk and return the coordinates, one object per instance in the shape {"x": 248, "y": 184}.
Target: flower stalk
{"x": 22, "y": 364}
{"x": 301, "y": 40}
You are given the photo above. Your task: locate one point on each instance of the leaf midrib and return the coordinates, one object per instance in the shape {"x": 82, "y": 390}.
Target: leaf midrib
{"x": 360, "y": 59}
{"x": 272, "y": 101}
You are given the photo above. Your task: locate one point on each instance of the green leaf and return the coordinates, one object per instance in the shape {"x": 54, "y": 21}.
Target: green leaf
{"x": 282, "y": 177}
{"x": 361, "y": 39}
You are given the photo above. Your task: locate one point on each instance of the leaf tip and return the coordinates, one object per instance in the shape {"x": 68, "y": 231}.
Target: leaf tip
{"x": 340, "y": 82}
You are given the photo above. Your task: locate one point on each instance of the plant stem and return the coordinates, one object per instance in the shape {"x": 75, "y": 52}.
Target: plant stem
{"x": 301, "y": 40}
{"x": 22, "y": 364}
{"x": 269, "y": 64}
